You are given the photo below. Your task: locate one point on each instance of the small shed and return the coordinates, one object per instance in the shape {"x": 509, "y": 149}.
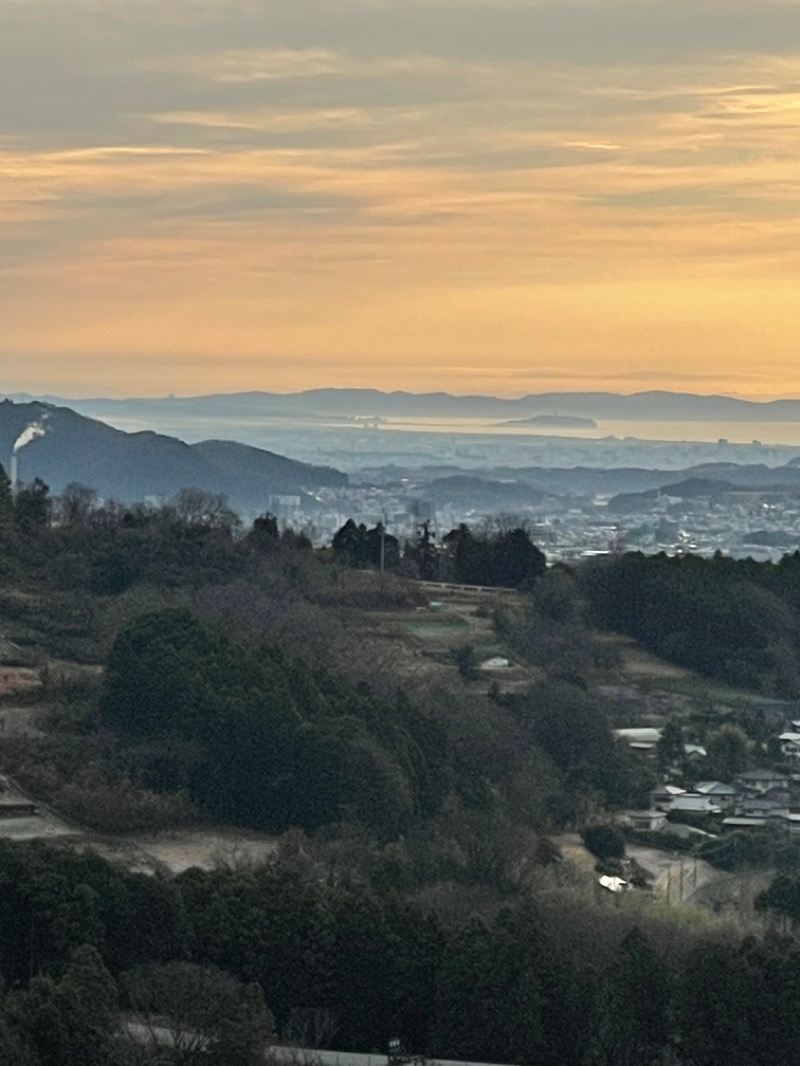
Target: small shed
{"x": 652, "y": 820}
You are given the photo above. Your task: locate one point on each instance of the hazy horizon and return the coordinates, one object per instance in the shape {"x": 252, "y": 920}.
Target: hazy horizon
{"x": 118, "y": 394}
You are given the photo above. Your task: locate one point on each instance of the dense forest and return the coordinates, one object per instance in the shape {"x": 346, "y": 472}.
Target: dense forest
{"x": 344, "y": 959}
{"x": 738, "y": 621}
{"x": 415, "y": 890}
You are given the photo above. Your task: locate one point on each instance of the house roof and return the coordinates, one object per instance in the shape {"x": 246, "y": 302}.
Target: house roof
{"x": 763, "y": 805}
{"x": 740, "y": 820}
{"x": 715, "y": 788}
{"x": 694, "y": 749}
{"x": 761, "y": 775}
{"x": 641, "y": 736}
{"x": 694, "y": 802}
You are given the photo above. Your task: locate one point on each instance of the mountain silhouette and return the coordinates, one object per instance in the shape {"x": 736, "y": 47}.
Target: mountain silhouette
{"x": 132, "y": 466}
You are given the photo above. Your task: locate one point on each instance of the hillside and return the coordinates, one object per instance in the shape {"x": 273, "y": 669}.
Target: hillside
{"x": 358, "y": 785}
{"x": 132, "y": 466}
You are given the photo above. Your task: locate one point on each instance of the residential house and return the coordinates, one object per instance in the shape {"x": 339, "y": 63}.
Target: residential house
{"x": 694, "y": 751}
{"x": 790, "y": 745}
{"x": 762, "y": 780}
{"x": 761, "y": 807}
{"x": 724, "y": 795}
{"x": 742, "y": 821}
{"x": 639, "y": 739}
{"x": 652, "y": 820}
{"x": 665, "y": 794}
{"x": 695, "y": 803}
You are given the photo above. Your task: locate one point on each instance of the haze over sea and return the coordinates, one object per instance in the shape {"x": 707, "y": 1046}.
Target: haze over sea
{"x": 192, "y": 428}
{"x": 735, "y": 432}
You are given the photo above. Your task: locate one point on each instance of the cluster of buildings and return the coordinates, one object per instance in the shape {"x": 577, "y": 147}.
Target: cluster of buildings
{"x": 753, "y": 799}
{"x": 761, "y": 525}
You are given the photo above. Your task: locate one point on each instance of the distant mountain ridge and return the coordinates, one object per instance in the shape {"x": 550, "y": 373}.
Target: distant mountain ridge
{"x": 653, "y": 405}
{"x": 131, "y": 466}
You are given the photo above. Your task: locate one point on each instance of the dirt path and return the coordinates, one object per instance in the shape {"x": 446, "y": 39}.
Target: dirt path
{"x": 174, "y": 851}
{"x": 19, "y": 721}
{"x": 678, "y": 878}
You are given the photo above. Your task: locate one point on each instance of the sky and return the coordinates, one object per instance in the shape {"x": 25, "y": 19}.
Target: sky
{"x": 493, "y": 196}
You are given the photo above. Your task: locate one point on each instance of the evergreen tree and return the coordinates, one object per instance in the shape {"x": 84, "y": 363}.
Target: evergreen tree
{"x": 71, "y": 1022}
{"x": 631, "y": 1019}
{"x": 670, "y": 746}
{"x": 32, "y": 508}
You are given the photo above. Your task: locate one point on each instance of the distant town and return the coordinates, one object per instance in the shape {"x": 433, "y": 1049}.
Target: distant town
{"x": 578, "y": 495}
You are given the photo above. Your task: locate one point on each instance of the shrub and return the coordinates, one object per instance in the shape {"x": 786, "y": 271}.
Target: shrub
{"x": 604, "y": 841}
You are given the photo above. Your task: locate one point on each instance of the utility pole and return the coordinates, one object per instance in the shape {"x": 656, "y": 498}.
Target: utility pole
{"x": 680, "y": 896}
{"x": 383, "y": 541}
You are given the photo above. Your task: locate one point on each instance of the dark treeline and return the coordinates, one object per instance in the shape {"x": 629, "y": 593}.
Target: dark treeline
{"x": 500, "y": 558}
{"x": 105, "y": 547}
{"x": 79, "y": 544}
{"x": 738, "y": 621}
{"x": 348, "y": 964}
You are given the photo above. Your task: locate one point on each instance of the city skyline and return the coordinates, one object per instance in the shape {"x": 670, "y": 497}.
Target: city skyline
{"x": 480, "y": 196}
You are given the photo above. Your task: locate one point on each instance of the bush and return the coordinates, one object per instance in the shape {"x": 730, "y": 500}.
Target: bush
{"x": 604, "y": 841}
{"x": 655, "y": 838}
{"x": 740, "y": 850}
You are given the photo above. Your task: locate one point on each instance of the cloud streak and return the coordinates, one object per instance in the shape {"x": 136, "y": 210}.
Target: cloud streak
{"x": 421, "y": 185}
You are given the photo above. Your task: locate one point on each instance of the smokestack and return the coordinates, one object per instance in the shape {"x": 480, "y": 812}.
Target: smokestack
{"x": 31, "y": 432}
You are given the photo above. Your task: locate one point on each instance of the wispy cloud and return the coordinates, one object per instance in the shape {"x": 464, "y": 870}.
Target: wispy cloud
{"x": 413, "y": 184}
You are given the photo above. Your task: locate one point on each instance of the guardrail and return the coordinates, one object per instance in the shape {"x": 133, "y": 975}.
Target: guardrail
{"x": 452, "y": 586}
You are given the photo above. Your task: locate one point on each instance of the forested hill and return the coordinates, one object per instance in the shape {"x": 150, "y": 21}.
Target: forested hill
{"x": 734, "y": 620}
{"x": 131, "y": 466}
{"x": 415, "y": 887}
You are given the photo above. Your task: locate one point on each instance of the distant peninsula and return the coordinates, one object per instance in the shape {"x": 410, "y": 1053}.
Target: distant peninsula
{"x": 554, "y": 421}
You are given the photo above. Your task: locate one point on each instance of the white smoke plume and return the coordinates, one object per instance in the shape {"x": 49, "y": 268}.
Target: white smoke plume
{"x": 31, "y": 432}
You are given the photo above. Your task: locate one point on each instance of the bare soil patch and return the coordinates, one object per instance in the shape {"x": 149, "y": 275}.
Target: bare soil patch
{"x": 174, "y": 851}
{"x": 16, "y": 679}
{"x": 20, "y": 721}
{"x": 641, "y": 665}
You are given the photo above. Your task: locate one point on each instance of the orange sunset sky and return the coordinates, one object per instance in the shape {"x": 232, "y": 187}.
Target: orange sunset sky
{"x": 477, "y": 195}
